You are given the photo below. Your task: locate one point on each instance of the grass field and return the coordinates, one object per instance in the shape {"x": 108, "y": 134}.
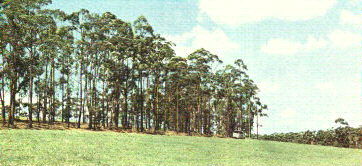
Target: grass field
{"x": 76, "y": 147}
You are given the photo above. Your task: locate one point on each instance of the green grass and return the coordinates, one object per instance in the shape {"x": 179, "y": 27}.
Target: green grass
{"x": 55, "y": 147}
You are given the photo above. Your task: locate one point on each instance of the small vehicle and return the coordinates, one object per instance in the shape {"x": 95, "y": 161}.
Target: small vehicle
{"x": 238, "y": 135}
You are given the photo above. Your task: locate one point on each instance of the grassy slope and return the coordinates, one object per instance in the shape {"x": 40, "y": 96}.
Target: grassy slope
{"x": 55, "y": 147}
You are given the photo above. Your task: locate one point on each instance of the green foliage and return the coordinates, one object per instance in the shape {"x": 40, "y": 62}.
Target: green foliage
{"x": 341, "y": 121}
{"x": 347, "y": 137}
{"x": 101, "y": 70}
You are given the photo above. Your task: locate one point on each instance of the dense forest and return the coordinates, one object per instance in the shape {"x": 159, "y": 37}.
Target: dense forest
{"x": 99, "y": 70}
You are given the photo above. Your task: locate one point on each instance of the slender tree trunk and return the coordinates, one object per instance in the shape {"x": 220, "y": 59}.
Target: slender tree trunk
{"x": 249, "y": 121}
{"x": 103, "y": 105}
{"x": 62, "y": 113}
{"x": 53, "y": 94}
{"x": 177, "y": 108}
{"x": 117, "y": 106}
{"x": 45, "y": 93}
{"x": 68, "y": 100}
{"x": 241, "y": 116}
{"x": 80, "y": 94}
{"x": 12, "y": 102}
{"x": 31, "y": 103}
{"x": 31, "y": 93}
{"x": 107, "y": 112}
{"x": 2, "y": 97}
{"x": 142, "y": 96}
{"x": 257, "y": 126}
{"x": 90, "y": 107}
{"x": 3, "y": 114}
{"x": 116, "y": 113}
{"x": 125, "y": 109}
{"x": 39, "y": 106}
{"x": 85, "y": 100}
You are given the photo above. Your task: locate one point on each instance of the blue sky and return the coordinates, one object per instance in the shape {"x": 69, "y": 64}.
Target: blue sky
{"x": 304, "y": 55}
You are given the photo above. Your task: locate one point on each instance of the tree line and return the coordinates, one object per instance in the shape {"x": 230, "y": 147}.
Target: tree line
{"x": 105, "y": 72}
{"x": 342, "y": 136}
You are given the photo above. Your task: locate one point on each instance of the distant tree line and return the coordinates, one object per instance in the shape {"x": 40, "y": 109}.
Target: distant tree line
{"x": 342, "y": 136}
{"x": 97, "y": 69}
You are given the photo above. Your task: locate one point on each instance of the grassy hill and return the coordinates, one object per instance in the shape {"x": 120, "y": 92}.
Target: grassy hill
{"x": 76, "y": 147}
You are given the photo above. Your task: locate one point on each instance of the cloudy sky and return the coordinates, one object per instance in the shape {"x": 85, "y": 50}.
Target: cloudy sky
{"x": 304, "y": 55}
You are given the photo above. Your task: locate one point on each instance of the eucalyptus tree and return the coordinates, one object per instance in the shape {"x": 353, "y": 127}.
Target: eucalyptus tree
{"x": 79, "y": 21}
{"x": 118, "y": 49}
{"x": 94, "y": 37}
{"x": 200, "y": 65}
{"x": 259, "y": 113}
{"x": 85, "y": 26}
{"x": 226, "y": 93}
{"x": 11, "y": 55}
{"x": 177, "y": 71}
{"x": 48, "y": 50}
{"x": 20, "y": 20}
{"x": 126, "y": 71}
{"x": 37, "y": 22}
{"x": 2, "y": 100}
{"x": 3, "y": 51}
{"x": 2, "y": 90}
{"x": 250, "y": 94}
{"x": 66, "y": 61}
{"x": 240, "y": 90}
{"x": 160, "y": 52}
{"x": 143, "y": 35}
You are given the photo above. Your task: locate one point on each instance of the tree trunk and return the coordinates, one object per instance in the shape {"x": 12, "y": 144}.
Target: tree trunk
{"x": 39, "y": 106}
{"x": 177, "y": 109}
{"x": 62, "y": 113}
{"x": 141, "y": 105}
{"x": 257, "y": 126}
{"x": 31, "y": 103}
{"x": 80, "y": 94}
{"x": 45, "y": 93}
{"x": 53, "y": 94}
{"x": 68, "y": 101}
{"x": 85, "y": 99}
{"x": 117, "y": 107}
{"x": 2, "y": 97}
{"x": 103, "y": 106}
{"x": 116, "y": 113}
{"x": 12, "y": 102}
{"x": 90, "y": 107}
{"x": 107, "y": 112}
{"x": 125, "y": 109}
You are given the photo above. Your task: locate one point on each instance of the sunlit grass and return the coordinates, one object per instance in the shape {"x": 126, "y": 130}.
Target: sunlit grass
{"x": 65, "y": 147}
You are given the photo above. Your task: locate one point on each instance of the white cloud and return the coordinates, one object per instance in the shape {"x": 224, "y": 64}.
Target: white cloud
{"x": 354, "y": 1}
{"x": 268, "y": 87}
{"x": 281, "y": 46}
{"x": 288, "y": 117}
{"x": 236, "y": 12}
{"x": 349, "y": 18}
{"x": 348, "y": 94}
{"x": 215, "y": 41}
{"x": 325, "y": 87}
{"x": 344, "y": 39}
{"x": 287, "y": 47}
{"x": 337, "y": 39}
{"x": 314, "y": 43}
{"x": 288, "y": 114}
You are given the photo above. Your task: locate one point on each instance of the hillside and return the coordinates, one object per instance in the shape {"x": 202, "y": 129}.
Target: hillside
{"x": 78, "y": 147}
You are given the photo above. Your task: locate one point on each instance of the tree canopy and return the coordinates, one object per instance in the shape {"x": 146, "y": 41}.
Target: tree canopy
{"x": 98, "y": 69}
